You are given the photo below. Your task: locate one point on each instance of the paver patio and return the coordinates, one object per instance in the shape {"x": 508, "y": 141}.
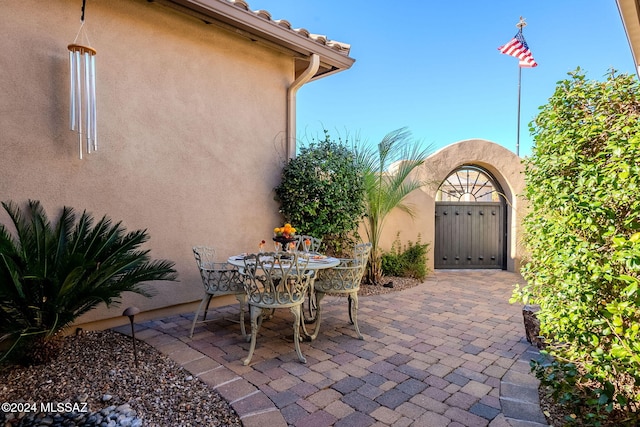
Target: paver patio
{"x": 433, "y": 355}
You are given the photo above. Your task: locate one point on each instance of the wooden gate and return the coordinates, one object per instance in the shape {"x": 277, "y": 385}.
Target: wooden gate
{"x": 469, "y": 235}
{"x": 470, "y": 226}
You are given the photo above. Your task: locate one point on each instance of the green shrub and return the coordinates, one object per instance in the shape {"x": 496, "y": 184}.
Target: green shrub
{"x": 583, "y": 238}
{"x": 50, "y": 275}
{"x": 322, "y": 194}
{"x": 407, "y": 261}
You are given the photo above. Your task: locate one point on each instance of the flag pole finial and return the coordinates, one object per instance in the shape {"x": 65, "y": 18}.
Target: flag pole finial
{"x": 521, "y": 24}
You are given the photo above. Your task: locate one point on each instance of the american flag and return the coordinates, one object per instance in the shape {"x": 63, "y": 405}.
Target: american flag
{"x": 518, "y": 48}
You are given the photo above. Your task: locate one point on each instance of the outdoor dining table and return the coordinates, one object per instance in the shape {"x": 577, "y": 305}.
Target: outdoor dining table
{"x": 316, "y": 262}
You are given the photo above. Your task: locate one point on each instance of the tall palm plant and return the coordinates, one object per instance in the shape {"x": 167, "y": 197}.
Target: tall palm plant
{"x": 387, "y": 171}
{"x": 50, "y": 275}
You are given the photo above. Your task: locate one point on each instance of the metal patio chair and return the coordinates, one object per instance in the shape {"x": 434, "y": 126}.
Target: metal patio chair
{"x": 343, "y": 279}
{"x": 309, "y": 305}
{"x": 218, "y": 278}
{"x": 275, "y": 280}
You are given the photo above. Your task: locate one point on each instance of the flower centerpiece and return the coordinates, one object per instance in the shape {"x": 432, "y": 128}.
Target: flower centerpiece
{"x": 285, "y": 235}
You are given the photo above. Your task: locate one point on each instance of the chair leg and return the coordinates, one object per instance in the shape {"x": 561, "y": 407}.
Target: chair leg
{"x": 242, "y": 299}
{"x": 297, "y": 317}
{"x": 256, "y": 312}
{"x": 204, "y": 317}
{"x": 312, "y": 303}
{"x": 195, "y": 318}
{"x": 319, "y": 296}
{"x": 353, "y": 312}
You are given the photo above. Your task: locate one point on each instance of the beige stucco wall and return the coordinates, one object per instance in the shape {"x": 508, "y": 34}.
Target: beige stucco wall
{"x": 504, "y": 165}
{"x": 191, "y": 122}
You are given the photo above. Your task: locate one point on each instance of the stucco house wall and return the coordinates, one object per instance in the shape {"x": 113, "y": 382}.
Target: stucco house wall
{"x": 191, "y": 129}
{"x": 503, "y": 164}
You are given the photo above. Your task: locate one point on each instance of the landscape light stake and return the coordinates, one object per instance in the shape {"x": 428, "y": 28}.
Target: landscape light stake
{"x": 130, "y": 313}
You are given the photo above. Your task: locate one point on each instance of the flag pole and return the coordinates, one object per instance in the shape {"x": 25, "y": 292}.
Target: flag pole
{"x": 520, "y": 26}
{"x": 518, "y": 131}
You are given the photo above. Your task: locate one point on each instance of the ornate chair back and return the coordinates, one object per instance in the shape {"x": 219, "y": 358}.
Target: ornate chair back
{"x": 218, "y": 278}
{"x": 276, "y": 280}
{"x": 346, "y": 277}
{"x": 343, "y": 279}
{"x": 361, "y": 252}
{"x": 313, "y": 242}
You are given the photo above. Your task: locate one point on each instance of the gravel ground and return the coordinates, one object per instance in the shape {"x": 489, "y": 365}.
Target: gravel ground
{"x": 399, "y": 283}
{"x": 97, "y": 368}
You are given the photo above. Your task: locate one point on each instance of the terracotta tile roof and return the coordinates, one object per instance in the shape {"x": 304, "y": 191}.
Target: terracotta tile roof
{"x": 340, "y": 47}
{"x": 237, "y": 16}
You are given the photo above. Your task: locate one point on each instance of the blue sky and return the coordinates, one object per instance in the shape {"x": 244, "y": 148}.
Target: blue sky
{"x": 434, "y": 67}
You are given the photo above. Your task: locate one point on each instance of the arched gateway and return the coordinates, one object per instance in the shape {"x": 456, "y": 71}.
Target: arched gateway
{"x": 470, "y": 220}
{"x": 482, "y": 181}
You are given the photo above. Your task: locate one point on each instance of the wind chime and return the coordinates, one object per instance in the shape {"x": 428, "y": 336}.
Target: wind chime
{"x": 82, "y": 92}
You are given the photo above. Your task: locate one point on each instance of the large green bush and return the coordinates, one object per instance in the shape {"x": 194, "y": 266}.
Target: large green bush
{"x": 322, "y": 193}
{"x": 50, "y": 274}
{"x": 583, "y": 239}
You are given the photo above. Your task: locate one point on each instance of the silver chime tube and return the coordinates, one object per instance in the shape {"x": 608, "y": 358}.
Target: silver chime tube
{"x": 94, "y": 133}
{"x": 72, "y": 91}
{"x": 87, "y": 100}
{"x": 78, "y": 101}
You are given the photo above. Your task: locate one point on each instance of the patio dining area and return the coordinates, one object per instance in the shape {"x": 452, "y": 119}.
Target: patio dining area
{"x": 448, "y": 352}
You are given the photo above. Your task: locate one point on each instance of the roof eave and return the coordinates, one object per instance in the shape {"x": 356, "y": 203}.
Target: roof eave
{"x": 630, "y": 14}
{"x": 333, "y": 58}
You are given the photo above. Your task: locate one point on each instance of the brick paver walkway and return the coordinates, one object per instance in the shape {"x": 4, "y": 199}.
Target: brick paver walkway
{"x": 433, "y": 355}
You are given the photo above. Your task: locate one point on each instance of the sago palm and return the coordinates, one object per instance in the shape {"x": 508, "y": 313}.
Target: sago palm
{"x": 387, "y": 170}
{"x": 52, "y": 274}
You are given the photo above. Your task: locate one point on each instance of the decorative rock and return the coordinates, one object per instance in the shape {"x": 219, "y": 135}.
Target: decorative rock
{"x": 532, "y": 325}
{"x": 106, "y": 397}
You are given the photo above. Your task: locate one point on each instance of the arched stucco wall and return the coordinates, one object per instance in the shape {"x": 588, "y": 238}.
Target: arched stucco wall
{"x": 504, "y": 165}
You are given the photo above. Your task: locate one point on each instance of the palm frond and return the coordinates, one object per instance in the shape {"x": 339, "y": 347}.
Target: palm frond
{"x": 388, "y": 172}
{"x": 51, "y": 275}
